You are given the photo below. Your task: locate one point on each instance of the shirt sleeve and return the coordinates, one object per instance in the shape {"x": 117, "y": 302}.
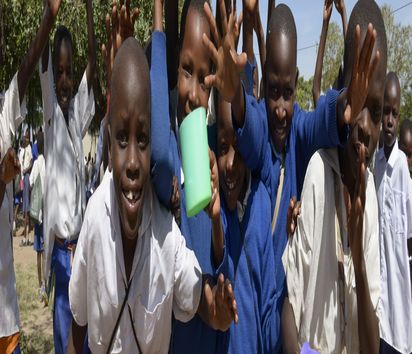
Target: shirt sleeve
{"x": 248, "y": 76}
{"x": 162, "y": 167}
{"x": 47, "y": 90}
{"x": 297, "y": 257}
{"x": 78, "y": 279}
{"x": 33, "y": 173}
{"x": 409, "y": 207}
{"x": 253, "y": 142}
{"x": 187, "y": 280}
{"x": 12, "y": 114}
{"x": 84, "y": 105}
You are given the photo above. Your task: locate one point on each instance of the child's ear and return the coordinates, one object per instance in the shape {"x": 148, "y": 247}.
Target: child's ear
{"x": 297, "y": 78}
{"x": 109, "y": 146}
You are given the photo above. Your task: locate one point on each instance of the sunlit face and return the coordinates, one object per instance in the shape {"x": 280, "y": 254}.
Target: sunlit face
{"x": 280, "y": 86}
{"x": 232, "y": 169}
{"x": 390, "y": 116}
{"x": 405, "y": 144}
{"x": 64, "y": 76}
{"x": 194, "y": 66}
{"x": 129, "y": 146}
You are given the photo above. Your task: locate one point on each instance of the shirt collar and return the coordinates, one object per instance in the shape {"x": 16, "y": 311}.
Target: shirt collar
{"x": 380, "y": 155}
{"x": 279, "y": 156}
{"x": 241, "y": 207}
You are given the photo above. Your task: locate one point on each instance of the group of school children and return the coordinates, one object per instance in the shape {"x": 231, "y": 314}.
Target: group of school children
{"x": 302, "y": 248}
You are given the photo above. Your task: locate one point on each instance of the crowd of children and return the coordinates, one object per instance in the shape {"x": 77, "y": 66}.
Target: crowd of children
{"x": 302, "y": 248}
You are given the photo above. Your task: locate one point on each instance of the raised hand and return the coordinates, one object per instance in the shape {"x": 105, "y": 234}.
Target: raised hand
{"x": 340, "y": 6}
{"x": 293, "y": 213}
{"x": 327, "y": 10}
{"x": 119, "y": 26}
{"x": 54, "y": 6}
{"x": 362, "y": 72}
{"x": 355, "y": 223}
{"x": 228, "y": 63}
{"x": 221, "y": 304}
{"x": 250, "y": 7}
{"x": 9, "y": 167}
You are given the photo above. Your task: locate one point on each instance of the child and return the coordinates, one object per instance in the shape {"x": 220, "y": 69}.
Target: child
{"x": 26, "y": 165}
{"x": 331, "y": 262}
{"x": 394, "y": 192}
{"x": 203, "y": 234}
{"x": 146, "y": 271}
{"x": 12, "y": 113}
{"x": 66, "y": 120}
{"x": 405, "y": 140}
{"x": 275, "y": 137}
{"x": 38, "y": 171}
{"x": 246, "y": 222}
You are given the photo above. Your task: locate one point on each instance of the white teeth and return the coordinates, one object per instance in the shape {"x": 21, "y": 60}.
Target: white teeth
{"x": 231, "y": 185}
{"x": 130, "y": 195}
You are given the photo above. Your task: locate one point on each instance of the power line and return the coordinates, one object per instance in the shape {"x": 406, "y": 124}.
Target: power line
{"x": 396, "y": 10}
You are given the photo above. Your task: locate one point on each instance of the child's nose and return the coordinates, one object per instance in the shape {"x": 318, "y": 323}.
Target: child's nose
{"x": 364, "y": 129}
{"x": 194, "y": 95}
{"x": 230, "y": 160}
{"x": 132, "y": 165}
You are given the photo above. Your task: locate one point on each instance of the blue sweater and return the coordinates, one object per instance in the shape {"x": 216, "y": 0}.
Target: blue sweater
{"x": 309, "y": 132}
{"x": 252, "y": 263}
{"x": 194, "y": 336}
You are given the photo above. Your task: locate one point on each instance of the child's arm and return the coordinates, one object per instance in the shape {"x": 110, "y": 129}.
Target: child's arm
{"x": 290, "y": 339}
{"x": 76, "y": 338}
{"x": 37, "y": 46}
{"x": 260, "y": 34}
{"x": 214, "y": 213}
{"x": 340, "y": 6}
{"x": 327, "y": 12}
{"x": 172, "y": 34}
{"x": 249, "y": 9}
{"x": 9, "y": 168}
{"x": 368, "y": 327}
{"x": 162, "y": 168}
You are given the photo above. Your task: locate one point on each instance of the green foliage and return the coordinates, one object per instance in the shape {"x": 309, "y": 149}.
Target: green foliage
{"x": 400, "y": 57}
{"x": 304, "y": 93}
{"x": 333, "y": 56}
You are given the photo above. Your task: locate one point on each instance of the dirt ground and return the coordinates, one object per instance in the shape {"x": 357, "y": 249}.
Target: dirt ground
{"x": 36, "y": 326}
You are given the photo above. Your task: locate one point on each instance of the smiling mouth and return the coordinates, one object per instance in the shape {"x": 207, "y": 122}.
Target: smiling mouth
{"x": 231, "y": 185}
{"x": 132, "y": 197}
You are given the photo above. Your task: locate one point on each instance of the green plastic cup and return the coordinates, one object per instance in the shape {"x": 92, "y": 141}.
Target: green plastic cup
{"x": 195, "y": 160}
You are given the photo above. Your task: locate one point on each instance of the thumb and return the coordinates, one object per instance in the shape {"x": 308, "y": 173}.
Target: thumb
{"x": 347, "y": 114}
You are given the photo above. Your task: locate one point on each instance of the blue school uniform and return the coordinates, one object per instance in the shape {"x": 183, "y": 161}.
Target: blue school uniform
{"x": 309, "y": 132}
{"x": 194, "y": 336}
{"x": 252, "y": 264}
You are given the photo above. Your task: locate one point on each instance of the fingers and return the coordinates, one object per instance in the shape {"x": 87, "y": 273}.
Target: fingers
{"x": 367, "y": 48}
{"x": 210, "y": 81}
{"x": 210, "y": 48}
{"x": 357, "y": 51}
{"x": 362, "y": 176}
{"x": 374, "y": 65}
{"x": 220, "y": 291}
{"x": 115, "y": 27}
{"x": 135, "y": 15}
{"x": 223, "y": 17}
{"x": 231, "y": 301}
{"x": 347, "y": 114}
{"x": 212, "y": 23}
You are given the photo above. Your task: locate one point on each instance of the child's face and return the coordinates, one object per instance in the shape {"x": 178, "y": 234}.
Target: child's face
{"x": 64, "y": 76}
{"x": 194, "y": 66}
{"x": 280, "y": 84}
{"x": 390, "y": 115}
{"x": 366, "y": 127}
{"x": 405, "y": 144}
{"x": 129, "y": 147}
{"x": 232, "y": 169}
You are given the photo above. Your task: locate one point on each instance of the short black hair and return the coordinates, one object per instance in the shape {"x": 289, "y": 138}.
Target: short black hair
{"x": 282, "y": 21}
{"x": 62, "y": 35}
{"x": 406, "y": 126}
{"x": 363, "y": 13}
{"x": 197, "y": 5}
{"x": 40, "y": 142}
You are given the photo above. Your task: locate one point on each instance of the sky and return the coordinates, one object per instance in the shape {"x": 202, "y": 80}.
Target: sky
{"x": 308, "y": 19}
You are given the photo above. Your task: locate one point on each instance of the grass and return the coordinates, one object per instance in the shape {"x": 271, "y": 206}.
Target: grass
{"x": 33, "y": 338}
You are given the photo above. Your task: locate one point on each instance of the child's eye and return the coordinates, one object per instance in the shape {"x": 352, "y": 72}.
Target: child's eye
{"x": 223, "y": 149}
{"x": 288, "y": 94}
{"x": 143, "y": 141}
{"x": 122, "y": 139}
{"x": 395, "y": 114}
{"x": 187, "y": 71}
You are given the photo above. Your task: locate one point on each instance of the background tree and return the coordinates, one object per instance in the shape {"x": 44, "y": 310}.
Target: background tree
{"x": 304, "y": 93}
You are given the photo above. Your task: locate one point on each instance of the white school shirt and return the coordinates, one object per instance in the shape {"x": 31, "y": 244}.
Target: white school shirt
{"x": 64, "y": 193}
{"x": 11, "y": 115}
{"x": 323, "y": 301}
{"x": 27, "y": 156}
{"x": 39, "y": 167}
{"x": 166, "y": 276}
{"x": 395, "y": 227}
